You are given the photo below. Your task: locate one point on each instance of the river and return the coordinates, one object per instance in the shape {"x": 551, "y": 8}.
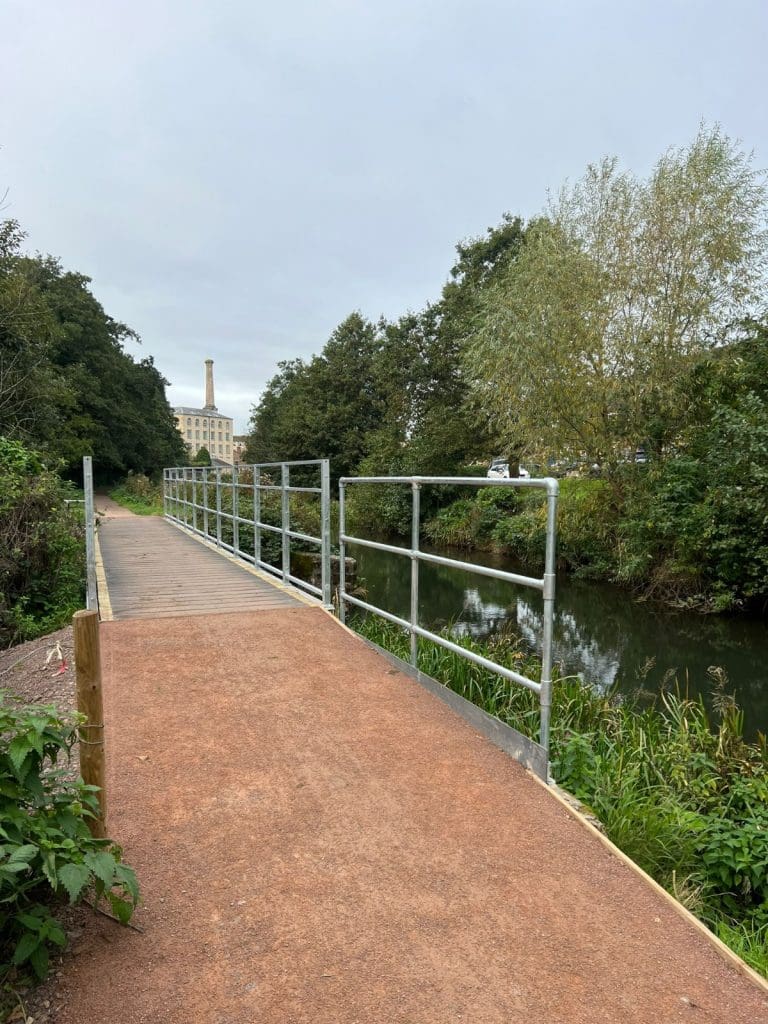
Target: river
{"x": 602, "y": 633}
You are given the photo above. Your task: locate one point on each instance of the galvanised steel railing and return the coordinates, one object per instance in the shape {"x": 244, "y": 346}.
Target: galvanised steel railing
{"x": 195, "y": 497}
{"x": 91, "y": 589}
{"x": 545, "y": 584}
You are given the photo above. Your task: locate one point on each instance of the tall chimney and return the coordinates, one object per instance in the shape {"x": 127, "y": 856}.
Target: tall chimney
{"x": 209, "y": 403}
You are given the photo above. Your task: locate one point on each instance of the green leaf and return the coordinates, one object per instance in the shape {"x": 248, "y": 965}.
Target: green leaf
{"x": 25, "y": 947}
{"x": 49, "y": 868}
{"x": 18, "y": 750}
{"x": 53, "y": 932}
{"x": 74, "y": 878}
{"x": 127, "y": 876}
{"x": 34, "y": 924}
{"x": 24, "y": 854}
{"x": 120, "y": 908}
{"x": 39, "y": 959}
{"x": 102, "y": 865}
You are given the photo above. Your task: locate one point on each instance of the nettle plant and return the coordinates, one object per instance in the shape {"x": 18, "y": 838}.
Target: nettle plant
{"x": 47, "y": 852}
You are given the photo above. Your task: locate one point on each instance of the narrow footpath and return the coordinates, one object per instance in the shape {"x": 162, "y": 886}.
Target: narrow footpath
{"x": 321, "y": 841}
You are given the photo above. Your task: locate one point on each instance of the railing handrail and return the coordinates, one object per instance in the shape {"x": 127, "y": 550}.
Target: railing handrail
{"x": 186, "y": 513}
{"x": 545, "y": 584}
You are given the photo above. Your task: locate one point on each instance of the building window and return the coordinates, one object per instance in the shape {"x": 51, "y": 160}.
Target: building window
{"x": 189, "y": 421}
{"x": 197, "y": 421}
{"x": 189, "y": 433}
{"x": 197, "y": 435}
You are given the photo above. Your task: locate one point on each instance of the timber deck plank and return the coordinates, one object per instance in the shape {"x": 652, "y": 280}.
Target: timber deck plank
{"x": 153, "y": 569}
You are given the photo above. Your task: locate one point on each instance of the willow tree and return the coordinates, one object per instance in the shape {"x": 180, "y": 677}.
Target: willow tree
{"x": 583, "y": 343}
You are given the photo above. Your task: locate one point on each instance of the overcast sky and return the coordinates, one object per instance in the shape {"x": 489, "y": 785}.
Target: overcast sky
{"x": 236, "y": 177}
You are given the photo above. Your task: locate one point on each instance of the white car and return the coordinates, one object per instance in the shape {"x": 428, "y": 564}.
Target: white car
{"x": 499, "y": 470}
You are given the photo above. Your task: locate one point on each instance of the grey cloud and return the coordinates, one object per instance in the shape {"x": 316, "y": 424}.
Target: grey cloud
{"x": 238, "y": 177}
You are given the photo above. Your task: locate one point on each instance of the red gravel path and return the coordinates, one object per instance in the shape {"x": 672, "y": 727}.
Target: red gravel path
{"x": 321, "y": 841}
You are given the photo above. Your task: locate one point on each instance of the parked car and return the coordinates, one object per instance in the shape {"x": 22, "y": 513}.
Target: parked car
{"x": 499, "y": 470}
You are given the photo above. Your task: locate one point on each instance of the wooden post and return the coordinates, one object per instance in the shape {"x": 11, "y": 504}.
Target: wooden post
{"x": 89, "y": 703}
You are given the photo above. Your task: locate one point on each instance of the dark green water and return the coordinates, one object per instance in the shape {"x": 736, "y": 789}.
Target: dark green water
{"x": 601, "y": 632}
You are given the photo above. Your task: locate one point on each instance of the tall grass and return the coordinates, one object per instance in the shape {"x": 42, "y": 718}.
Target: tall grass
{"x": 679, "y": 790}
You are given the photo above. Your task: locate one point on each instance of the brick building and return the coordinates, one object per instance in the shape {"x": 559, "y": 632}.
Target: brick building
{"x": 206, "y": 427}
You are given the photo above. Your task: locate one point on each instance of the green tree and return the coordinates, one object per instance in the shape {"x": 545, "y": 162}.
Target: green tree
{"x": 586, "y": 337}
{"x": 203, "y": 458}
{"x": 324, "y": 408}
{"x": 67, "y": 385}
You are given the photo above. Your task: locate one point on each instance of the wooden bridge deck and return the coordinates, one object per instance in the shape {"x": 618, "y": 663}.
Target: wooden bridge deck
{"x": 320, "y": 840}
{"x": 153, "y": 570}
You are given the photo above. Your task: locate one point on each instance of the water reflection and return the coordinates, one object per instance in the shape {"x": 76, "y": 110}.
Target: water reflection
{"x": 601, "y": 632}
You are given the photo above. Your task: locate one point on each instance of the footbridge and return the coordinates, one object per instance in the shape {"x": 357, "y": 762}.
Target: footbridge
{"x": 322, "y": 833}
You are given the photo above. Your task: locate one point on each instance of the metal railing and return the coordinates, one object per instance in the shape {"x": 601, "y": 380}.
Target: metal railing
{"x": 208, "y": 502}
{"x": 545, "y": 584}
{"x": 91, "y": 590}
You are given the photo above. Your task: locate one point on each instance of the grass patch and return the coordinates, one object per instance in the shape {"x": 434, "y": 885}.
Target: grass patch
{"x": 140, "y": 495}
{"x": 680, "y": 791}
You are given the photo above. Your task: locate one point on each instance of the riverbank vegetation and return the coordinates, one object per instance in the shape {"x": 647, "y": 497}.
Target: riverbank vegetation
{"x": 616, "y": 340}
{"x": 679, "y": 790}
{"x": 42, "y": 563}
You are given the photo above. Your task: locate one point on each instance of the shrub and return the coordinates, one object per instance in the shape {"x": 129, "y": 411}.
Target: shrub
{"x": 42, "y": 547}
{"x": 47, "y": 852}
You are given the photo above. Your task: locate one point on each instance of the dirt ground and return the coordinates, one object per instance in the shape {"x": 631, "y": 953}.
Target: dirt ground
{"x": 320, "y": 841}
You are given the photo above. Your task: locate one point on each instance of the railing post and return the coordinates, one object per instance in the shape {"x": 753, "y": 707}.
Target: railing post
{"x": 194, "y": 500}
{"x": 286, "y": 520}
{"x": 256, "y": 515}
{"x": 545, "y": 696}
{"x": 85, "y": 628}
{"x": 415, "y": 530}
{"x": 165, "y": 491}
{"x": 325, "y": 532}
{"x": 91, "y": 592}
{"x": 218, "y": 507}
{"x": 342, "y": 554}
{"x": 235, "y": 510}
{"x": 205, "y": 502}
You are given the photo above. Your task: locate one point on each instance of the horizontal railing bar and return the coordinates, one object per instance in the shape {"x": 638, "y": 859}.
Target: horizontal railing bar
{"x": 270, "y": 568}
{"x": 482, "y": 570}
{"x": 303, "y": 536}
{"x": 477, "y": 659}
{"x": 547, "y": 483}
{"x": 268, "y": 526}
{"x": 403, "y": 623}
{"x": 242, "y": 465}
{"x": 376, "y": 545}
{"x": 452, "y": 563}
{"x": 305, "y": 585}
